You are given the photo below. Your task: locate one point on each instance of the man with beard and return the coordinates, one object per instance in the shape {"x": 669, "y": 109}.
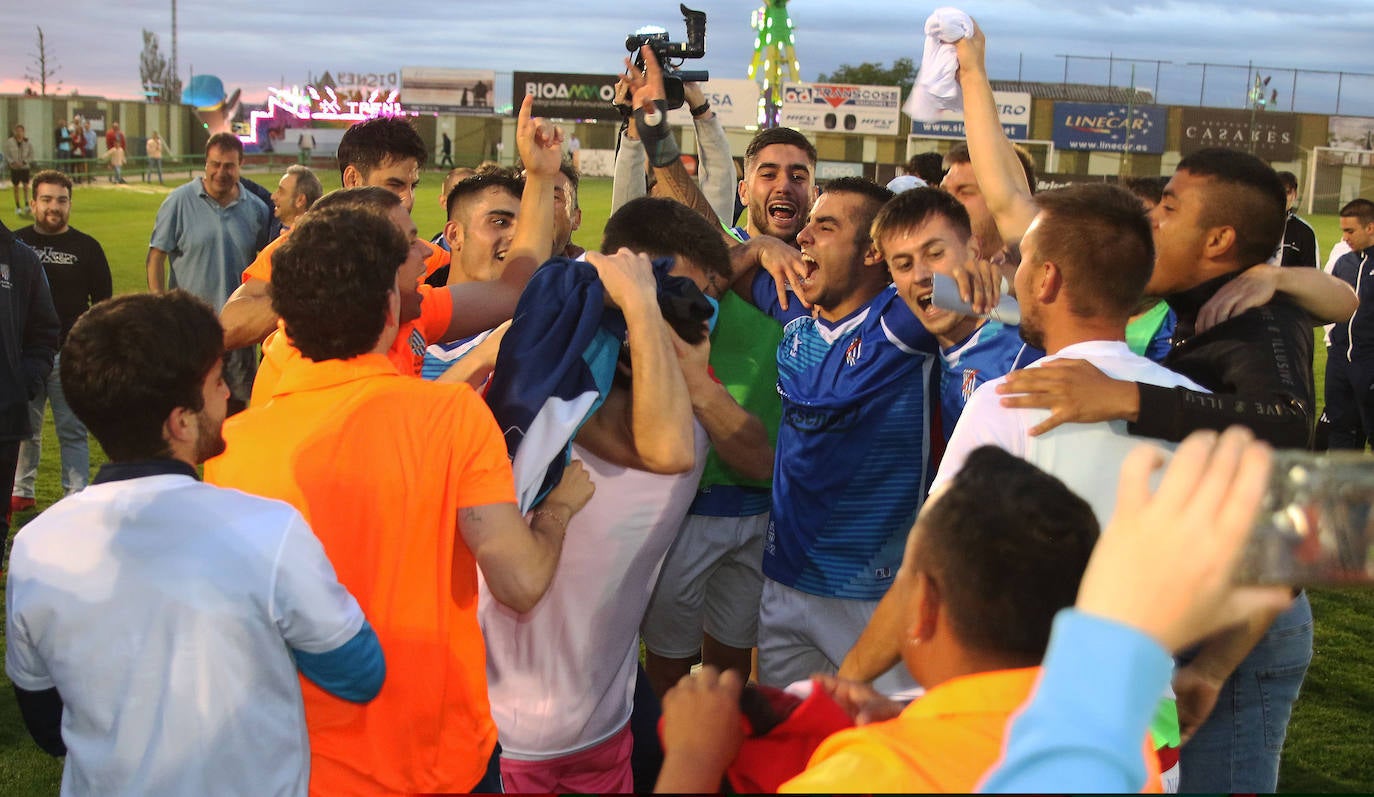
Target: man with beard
{"x": 209, "y": 230}
{"x": 78, "y": 276}
{"x": 156, "y": 624}
{"x": 1085, "y": 261}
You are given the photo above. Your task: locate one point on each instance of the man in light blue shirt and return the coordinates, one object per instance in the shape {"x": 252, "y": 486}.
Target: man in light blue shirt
{"x": 210, "y": 230}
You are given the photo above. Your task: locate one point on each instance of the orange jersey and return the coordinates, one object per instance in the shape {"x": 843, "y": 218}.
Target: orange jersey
{"x": 261, "y": 267}
{"x": 438, "y": 258}
{"x": 407, "y": 352}
{"x": 945, "y": 741}
{"x": 380, "y": 466}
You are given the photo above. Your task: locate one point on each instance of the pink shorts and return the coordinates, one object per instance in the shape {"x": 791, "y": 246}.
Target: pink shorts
{"x": 603, "y": 769}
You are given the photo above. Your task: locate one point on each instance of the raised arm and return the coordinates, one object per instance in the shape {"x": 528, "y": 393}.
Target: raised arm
{"x": 479, "y": 306}
{"x": 715, "y": 169}
{"x": 651, "y": 121}
{"x": 629, "y": 181}
{"x": 651, "y": 427}
{"x": 1001, "y": 179}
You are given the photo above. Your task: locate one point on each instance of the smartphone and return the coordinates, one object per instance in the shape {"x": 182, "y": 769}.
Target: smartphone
{"x": 1316, "y": 522}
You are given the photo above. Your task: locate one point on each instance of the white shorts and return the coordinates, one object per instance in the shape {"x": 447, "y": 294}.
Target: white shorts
{"x": 801, "y": 634}
{"x": 711, "y": 581}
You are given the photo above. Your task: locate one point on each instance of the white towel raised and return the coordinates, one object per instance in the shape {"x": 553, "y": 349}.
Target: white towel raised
{"x": 937, "y": 84}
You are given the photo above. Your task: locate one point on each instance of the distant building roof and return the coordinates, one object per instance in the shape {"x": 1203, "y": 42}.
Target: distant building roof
{"x": 1076, "y": 92}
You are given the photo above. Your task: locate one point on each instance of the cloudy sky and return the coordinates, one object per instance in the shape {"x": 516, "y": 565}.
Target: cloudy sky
{"x": 97, "y": 44}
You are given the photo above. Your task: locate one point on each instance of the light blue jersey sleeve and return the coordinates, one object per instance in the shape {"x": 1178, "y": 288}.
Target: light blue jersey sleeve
{"x": 1083, "y": 728}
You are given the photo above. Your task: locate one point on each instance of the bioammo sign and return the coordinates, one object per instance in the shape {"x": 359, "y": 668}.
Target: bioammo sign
{"x": 567, "y": 96}
{"x": 1096, "y": 127}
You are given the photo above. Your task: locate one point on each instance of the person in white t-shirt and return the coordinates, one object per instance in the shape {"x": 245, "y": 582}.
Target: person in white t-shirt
{"x": 152, "y": 619}
{"x": 1085, "y": 261}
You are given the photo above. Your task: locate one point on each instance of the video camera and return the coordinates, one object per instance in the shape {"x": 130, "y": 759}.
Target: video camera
{"x": 664, "y": 50}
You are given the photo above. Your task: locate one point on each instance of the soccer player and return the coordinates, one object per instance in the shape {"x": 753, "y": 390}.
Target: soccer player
{"x": 851, "y": 466}
{"x": 384, "y": 152}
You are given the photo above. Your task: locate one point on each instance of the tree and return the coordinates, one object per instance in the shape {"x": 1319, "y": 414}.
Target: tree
{"x": 901, "y": 73}
{"x": 155, "y": 72}
{"x": 44, "y": 67}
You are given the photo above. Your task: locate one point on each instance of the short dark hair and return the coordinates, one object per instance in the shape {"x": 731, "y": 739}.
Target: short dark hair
{"x": 367, "y": 145}
{"x": 876, "y": 195}
{"x": 661, "y": 227}
{"x": 777, "y": 135}
{"x": 223, "y": 141}
{"x": 929, "y": 166}
{"x": 505, "y": 179}
{"x": 331, "y": 278}
{"x": 1099, "y": 236}
{"x": 1289, "y": 180}
{"x": 51, "y": 177}
{"x": 1361, "y": 209}
{"x": 910, "y": 210}
{"x": 1149, "y": 189}
{"x": 1004, "y": 567}
{"x": 307, "y": 183}
{"x": 129, "y": 361}
{"x": 372, "y": 198}
{"x": 959, "y": 154}
{"x": 1246, "y": 195}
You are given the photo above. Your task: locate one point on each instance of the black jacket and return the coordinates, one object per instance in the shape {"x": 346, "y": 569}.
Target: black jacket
{"x": 1354, "y": 339}
{"x": 1258, "y": 366}
{"x": 28, "y": 333}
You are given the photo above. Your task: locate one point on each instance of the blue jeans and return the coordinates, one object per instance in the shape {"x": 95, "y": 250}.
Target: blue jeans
{"x": 153, "y": 164}
{"x": 71, "y": 433}
{"x": 1237, "y": 749}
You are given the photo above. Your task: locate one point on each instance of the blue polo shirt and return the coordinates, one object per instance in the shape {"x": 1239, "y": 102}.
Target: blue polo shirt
{"x": 208, "y": 245}
{"x": 852, "y": 456}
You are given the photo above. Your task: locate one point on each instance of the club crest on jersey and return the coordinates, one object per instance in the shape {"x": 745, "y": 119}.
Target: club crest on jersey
{"x": 970, "y": 383}
{"x": 854, "y": 352}
{"x": 417, "y": 343}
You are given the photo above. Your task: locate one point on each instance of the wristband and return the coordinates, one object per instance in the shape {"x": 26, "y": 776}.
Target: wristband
{"x": 656, "y": 134}
{"x": 701, "y": 109}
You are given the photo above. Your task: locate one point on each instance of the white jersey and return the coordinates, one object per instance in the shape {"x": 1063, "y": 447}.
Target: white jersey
{"x": 1087, "y": 457}
{"x": 162, "y": 609}
{"x": 561, "y": 676}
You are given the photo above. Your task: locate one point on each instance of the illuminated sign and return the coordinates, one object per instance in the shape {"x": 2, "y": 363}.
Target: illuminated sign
{"x": 309, "y": 104}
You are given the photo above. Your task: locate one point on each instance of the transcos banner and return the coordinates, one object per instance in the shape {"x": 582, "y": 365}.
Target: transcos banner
{"x": 435, "y": 89}
{"x": 835, "y": 108}
{"x": 1096, "y": 127}
{"x": 1274, "y": 134}
{"x": 736, "y": 102}
{"x": 1013, "y": 107}
{"x": 560, "y": 95}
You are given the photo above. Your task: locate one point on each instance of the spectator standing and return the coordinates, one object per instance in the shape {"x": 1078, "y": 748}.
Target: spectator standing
{"x": 154, "y": 149}
{"x": 78, "y": 277}
{"x": 209, "y": 230}
{"x": 19, "y": 154}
